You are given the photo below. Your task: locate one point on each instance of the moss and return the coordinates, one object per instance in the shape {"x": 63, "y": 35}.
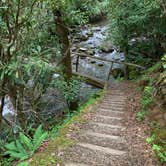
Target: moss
{"x": 48, "y": 157}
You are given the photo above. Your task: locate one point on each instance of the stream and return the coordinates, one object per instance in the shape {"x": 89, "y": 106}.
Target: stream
{"x": 92, "y": 40}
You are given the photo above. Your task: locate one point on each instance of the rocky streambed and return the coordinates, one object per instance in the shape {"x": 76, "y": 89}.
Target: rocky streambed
{"x": 94, "y": 41}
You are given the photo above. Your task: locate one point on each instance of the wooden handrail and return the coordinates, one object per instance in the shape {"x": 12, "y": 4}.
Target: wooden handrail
{"x": 110, "y": 61}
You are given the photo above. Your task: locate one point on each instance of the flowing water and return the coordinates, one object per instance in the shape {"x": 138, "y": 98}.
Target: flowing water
{"x": 97, "y": 37}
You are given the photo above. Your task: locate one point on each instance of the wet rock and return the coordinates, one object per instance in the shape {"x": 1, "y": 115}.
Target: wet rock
{"x": 73, "y": 49}
{"x": 84, "y": 38}
{"x": 89, "y": 33}
{"x": 90, "y": 52}
{"x": 81, "y": 37}
{"x": 97, "y": 29}
{"x": 107, "y": 47}
{"x": 93, "y": 62}
{"x": 87, "y": 51}
{"x": 100, "y": 64}
{"x": 83, "y": 49}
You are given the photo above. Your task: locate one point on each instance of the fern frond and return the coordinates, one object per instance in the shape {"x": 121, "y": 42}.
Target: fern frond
{"x": 11, "y": 146}
{"x": 26, "y": 141}
{"x": 38, "y": 142}
{"x": 38, "y": 134}
{"x": 20, "y": 147}
{"x": 17, "y": 155}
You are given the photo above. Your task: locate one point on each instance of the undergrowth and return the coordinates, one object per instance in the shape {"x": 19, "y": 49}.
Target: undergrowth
{"x": 158, "y": 134}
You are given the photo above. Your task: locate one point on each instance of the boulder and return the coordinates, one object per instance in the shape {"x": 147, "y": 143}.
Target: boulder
{"x": 90, "y": 52}
{"x": 81, "y": 37}
{"x": 97, "y": 29}
{"x": 100, "y": 64}
{"x": 89, "y": 33}
{"x": 107, "y": 47}
{"x": 93, "y": 62}
{"x": 83, "y": 49}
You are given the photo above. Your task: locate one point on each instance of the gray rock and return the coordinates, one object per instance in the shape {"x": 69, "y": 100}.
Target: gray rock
{"x": 107, "y": 47}
{"x": 90, "y": 52}
{"x": 90, "y": 33}
{"x": 93, "y": 62}
{"x": 82, "y": 49}
{"x": 100, "y": 64}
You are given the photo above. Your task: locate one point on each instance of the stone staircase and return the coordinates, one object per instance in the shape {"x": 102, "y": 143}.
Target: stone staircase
{"x": 100, "y": 143}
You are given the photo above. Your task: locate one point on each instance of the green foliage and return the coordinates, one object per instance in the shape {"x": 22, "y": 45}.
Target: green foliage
{"x": 70, "y": 89}
{"x": 164, "y": 61}
{"x": 91, "y": 8}
{"x": 23, "y": 164}
{"x": 147, "y": 97}
{"x": 25, "y": 147}
{"x": 158, "y": 142}
{"x": 132, "y": 29}
{"x": 141, "y": 115}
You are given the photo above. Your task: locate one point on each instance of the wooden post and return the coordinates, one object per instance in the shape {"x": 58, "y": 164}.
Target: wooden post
{"x": 110, "y": 71}
{"x": 77, "y": 63}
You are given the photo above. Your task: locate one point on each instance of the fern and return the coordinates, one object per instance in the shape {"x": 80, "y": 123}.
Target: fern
{"x": 26, "y": 141}
{"x": 25, "y": 147}
{"x": 23, "y": 164}
{"x": 39, "y": 137}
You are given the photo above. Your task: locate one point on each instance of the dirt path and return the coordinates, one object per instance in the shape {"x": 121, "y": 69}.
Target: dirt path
{"x": 112, "y": 137}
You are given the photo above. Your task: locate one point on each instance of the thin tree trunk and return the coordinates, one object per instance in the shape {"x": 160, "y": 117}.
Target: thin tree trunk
{"x": 63, "y": 33}
{"x": 1, "y": 109}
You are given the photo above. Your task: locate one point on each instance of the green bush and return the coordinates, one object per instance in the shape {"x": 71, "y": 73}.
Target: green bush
{"x": 70, "y": 89}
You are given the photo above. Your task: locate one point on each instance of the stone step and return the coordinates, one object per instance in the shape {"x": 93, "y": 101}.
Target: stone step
{"x": 115, "y": 93}
{"x": 95, "y": 155}
{"x": 114, "y": 104}
{"x": 102, "y": 149}
{"x": 105, "y": 128}
{"x": 104, "y": 140}
{"x": 113, "y": 98}
{"x": 74, "y": 164}
{"x": 107, "y": 120}
{"x": 108, "y": 108}
{"x": 110, "y": 113}
{"x": 114, "y": 101}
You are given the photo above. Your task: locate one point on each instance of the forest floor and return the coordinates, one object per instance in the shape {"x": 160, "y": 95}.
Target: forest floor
{"x": 110, "y": 134}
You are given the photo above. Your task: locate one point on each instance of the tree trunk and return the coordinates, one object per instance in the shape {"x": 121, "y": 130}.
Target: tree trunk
{"x": 1, "y": 109}
{"x": 63, "y": 32}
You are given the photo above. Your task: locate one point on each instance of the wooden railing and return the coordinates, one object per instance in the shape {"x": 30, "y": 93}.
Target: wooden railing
{"x": 98, "y": 82}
